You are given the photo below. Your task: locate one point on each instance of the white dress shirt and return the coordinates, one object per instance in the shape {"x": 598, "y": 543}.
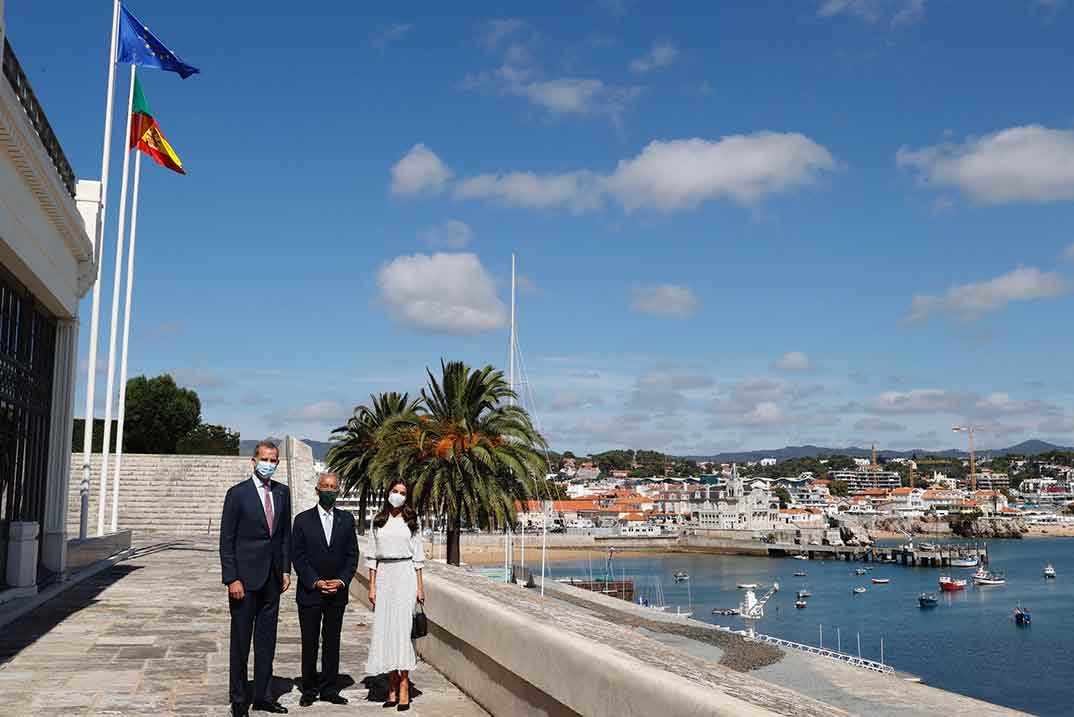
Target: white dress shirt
{"x": 326, "y": 523}
{"x": 261, "y": 494}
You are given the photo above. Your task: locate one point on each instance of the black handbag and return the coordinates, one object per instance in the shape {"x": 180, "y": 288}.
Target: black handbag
{"x": 420, "y": 625}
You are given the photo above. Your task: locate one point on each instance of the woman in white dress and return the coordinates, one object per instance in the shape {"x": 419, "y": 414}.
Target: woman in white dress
{"x": 395, "y": 558}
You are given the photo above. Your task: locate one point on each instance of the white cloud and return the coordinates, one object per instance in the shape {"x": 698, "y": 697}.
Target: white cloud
{"x": 675, "y": 379}
{"x": 902, "y": 12}
{"x": 321, "y": 412}
{"x": 971, "y": 301}
{"x": 452, "y": 233}
{"x": 392, "y": 32}
{"x": 1020, "y": 164}
{"x": 500, "y": 29}
{"x": 572, "y": 400}
{"x": 878, "y": 424}
{"x": 678, "y": 174}
{"x": 1067, "y": 253}
{"x": 793, "y": 361}
{"x": 662, "y": 54}
{"x": 441, "y": 293}
{"x": 576, "y": 192}
{"x": 765, "y": 412}
{"x": 919, "y": 400}
{"x": 581, "y": 96}
{"x": 665, "y": 300}
{"x": 420, "y": 171}
{"x": 669, "y": 175}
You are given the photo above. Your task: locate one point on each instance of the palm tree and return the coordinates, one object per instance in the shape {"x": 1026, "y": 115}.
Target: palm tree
{"x": 466, "y": 452}
{"x": 356, "y": 445}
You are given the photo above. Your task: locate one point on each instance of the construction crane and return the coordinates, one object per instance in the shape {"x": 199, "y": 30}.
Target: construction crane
{"x": 751, "y": 609}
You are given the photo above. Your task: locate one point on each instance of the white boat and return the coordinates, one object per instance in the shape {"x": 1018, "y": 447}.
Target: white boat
{"x": 858, "y": 590}
{"x": 747, "y": 586}
{"x": 800, "y": 557}
{"x": 1049, "y": 571}
{"x": 800, "y": 573}
{"x": 682, "y": 576}
{"x": 964, "y": 562}
{"x": 881, "y": 581}
{"x": 859, "y": 571}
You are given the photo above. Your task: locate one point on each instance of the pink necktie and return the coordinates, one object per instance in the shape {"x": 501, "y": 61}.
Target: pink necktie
{"x": 268, "y": 507}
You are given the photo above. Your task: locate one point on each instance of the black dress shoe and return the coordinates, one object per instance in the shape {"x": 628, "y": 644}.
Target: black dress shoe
{"x": 239, "y": 709}
{"x": 389, "y": 704}
{"x": 403, "y": 708}
{"x": 334, "y": 699}
{"x": 273, "y": 707}
{"x": 307, "y": 700}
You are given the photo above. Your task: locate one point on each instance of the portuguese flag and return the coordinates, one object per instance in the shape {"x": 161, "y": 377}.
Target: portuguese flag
{"x": 146, "y": 134}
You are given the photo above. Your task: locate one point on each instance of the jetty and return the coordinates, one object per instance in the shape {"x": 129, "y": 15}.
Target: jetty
{"x": 909, "y": 555}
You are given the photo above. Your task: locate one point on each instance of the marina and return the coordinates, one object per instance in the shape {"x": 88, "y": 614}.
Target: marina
{"x": 907, "y": 614}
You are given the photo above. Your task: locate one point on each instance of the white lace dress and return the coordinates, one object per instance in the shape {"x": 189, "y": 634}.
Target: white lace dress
{"x": 397, "y": 593}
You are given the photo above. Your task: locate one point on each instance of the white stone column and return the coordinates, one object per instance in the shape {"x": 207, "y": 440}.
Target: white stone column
{"x": 54, "y": 531}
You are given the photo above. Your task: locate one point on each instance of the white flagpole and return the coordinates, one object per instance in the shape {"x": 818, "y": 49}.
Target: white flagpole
{"x": 98, "y": 248}
{"x": 115, "y": 314}
{"x": 126, "y": 340}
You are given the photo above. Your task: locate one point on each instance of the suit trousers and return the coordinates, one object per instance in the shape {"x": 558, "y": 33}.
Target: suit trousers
{"x": 326, "y": 622}
{"x": 255, "y": 616}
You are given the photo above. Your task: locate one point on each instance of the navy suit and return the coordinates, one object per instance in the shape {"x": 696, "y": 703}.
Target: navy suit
{"x": 319, "y": 615}
{"x": 258, "y": 556}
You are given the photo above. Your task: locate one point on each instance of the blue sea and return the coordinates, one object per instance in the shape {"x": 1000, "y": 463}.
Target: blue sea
{"x": 968, "y": 644}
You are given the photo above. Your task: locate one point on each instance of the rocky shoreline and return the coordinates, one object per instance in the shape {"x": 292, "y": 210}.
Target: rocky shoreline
{"x": 863, "y": 530}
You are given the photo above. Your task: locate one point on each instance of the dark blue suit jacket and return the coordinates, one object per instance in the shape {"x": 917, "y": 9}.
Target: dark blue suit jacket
{"x": 314, "y": 559}
{"x": 247, "y": 551}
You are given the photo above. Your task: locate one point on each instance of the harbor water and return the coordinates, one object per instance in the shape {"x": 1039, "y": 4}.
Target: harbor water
{"x": 969, "y": 643}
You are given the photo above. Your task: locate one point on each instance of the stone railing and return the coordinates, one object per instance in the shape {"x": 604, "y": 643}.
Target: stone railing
{"x": 516, "y": 653}
{"x": 21, "y": 86}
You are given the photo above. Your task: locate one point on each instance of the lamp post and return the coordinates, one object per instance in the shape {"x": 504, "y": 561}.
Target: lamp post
{"x": 969, "y": 430}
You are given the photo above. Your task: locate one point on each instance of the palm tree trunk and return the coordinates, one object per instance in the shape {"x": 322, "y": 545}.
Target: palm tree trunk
{"x": 454, "y": 532}
{"x": 362, "y": 501}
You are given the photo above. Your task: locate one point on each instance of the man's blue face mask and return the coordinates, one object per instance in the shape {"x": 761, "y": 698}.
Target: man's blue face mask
{"x": 265, "y": 469}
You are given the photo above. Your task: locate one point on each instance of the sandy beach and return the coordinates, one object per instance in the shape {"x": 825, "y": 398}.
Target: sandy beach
{"x": 482, "y": 555}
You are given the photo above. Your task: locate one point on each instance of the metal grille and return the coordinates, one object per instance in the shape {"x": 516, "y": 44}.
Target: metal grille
{"x": 27, "y": 355}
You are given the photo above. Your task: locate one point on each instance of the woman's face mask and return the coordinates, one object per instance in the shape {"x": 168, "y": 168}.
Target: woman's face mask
{"x": 396, "y": 499}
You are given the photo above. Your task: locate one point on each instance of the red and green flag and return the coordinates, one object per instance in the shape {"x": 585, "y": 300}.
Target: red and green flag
{"x": 146, "y": 134}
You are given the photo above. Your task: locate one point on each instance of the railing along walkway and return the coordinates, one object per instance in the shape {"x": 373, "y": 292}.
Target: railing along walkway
{"x": 861, "y": 662}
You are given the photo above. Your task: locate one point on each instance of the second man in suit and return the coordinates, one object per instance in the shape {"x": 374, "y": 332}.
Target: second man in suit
{"x": 324, "y": 553}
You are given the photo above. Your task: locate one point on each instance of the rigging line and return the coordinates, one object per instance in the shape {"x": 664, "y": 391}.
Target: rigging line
{"x": 532, "y": 398}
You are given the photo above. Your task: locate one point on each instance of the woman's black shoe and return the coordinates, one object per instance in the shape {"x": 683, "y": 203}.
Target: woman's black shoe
{"x": 403, "y": 708}
{"x": 389, "y": 704}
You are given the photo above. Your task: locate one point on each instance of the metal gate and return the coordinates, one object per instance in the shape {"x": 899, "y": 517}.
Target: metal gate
{"x": 27, "y": 355}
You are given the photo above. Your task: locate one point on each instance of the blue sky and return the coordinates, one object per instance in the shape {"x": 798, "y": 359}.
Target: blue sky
{"x": 742, "y": 226}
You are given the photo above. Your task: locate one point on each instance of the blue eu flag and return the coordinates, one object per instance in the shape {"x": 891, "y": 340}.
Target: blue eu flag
{"x": 138, "y": 46}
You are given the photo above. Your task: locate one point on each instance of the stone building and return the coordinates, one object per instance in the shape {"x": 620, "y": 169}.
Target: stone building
{"x": 47, "y": 264}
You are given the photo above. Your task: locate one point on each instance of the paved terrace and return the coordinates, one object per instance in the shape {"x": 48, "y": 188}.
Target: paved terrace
{"x": 150, "y": 636}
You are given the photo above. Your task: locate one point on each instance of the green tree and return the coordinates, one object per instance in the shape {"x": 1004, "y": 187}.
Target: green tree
{"x": 356, "y": 444}
{"x": 158, "y": 414}
{"x": 466, "y": 453}
{"x": 207, "y": 439}
{"x": 784, "y": 496}
{"x": 839, "y": 488}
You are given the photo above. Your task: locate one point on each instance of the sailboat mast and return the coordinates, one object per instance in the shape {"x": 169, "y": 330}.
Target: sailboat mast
{"x": 511, "y": 345}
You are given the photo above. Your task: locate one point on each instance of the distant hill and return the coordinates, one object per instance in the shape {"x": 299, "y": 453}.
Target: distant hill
{"x": 320, "y": 448}
{"x": 1032, "y": 447}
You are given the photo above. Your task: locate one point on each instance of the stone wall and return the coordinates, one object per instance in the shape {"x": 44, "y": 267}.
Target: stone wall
{"x": 182, "y": 495}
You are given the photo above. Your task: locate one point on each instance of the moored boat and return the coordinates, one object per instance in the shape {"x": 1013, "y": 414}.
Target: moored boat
{"x": 928, "y": 600}
{"x": 1049, "y": 571}
{"x": 747, "y": 586}
{"x": 858, "y": 590}
{"x": 1022, "y": 616}
{"x": 799, "y": 604}
{"x": 964, "y": 562}
{"x": 800, "y": 557}
{"x": 951, "y": 584}
{"x": 682, "y": 576}
{"x": 799, "y": 573}
{"x": 725, "y": 611}
{"x": 859, "y": 571}
{"x": 985, "y": 577}
{"x": 881, "y": 581}
{"x": 803, "y": 594}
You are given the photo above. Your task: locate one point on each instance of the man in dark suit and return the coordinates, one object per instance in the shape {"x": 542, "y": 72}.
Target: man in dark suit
{"x": 255, "y": 543}
{"x": 324, "y": 551}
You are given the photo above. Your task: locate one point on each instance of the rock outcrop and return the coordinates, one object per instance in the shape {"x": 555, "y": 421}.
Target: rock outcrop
{"x": 989, "y": 528}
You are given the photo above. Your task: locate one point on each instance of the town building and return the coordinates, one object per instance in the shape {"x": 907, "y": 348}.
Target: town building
{"x": 869, "y": 477}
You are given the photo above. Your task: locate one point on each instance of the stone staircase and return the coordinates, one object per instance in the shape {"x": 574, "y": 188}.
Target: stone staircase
{"x": 178, "y": 496}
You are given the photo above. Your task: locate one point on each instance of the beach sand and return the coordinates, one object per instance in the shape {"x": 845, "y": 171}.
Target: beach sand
{"x": 482, "y": 555}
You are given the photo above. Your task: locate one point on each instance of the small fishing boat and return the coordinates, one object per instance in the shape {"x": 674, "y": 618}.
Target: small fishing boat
{"x": 859, "y": 571}
{"x": 928, "y": 600}
{"x": 799, "y": 604}
{"x": 1049, "y": 571}
{"x": 858, "y": 590}
{"x": 928, "y": 546}
{"x": 800, "y": 557}
{"x": 682, "y": 576}
{"x": 725, "y": 611}
{"x": 964, "y": 562}
{"x": 951, "y": 584}
{"x": 747, "y": 586}
{"x": 1022, "y": 616}
{"x": 802, "y": 594}
{"x": 984, "y": 577}
{"x": 800, "y": 573}
{"x": 881, "y": 581}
